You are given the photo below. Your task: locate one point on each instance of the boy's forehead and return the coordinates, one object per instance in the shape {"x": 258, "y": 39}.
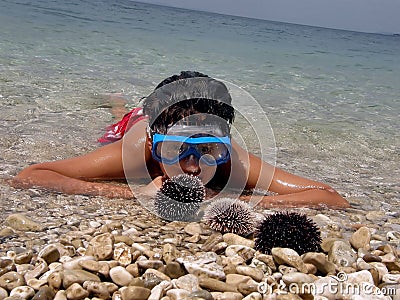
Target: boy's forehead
{"x": 199, "y": 124}
{"x": 190, "y": 130}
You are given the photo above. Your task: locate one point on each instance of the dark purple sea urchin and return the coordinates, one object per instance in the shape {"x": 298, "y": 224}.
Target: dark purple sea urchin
{"x": 230, "y": 215}
{"x": 179, "y": 198}
{"x": 287, "y": 230}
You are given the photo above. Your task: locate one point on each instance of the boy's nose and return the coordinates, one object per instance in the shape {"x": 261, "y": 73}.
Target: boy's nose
{"x": 190, "y": 165}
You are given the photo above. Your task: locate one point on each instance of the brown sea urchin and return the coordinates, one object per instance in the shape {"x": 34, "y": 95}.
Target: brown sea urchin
{"x": 287, "y": 230}
{"x": 179, "y": 198}
{"x": 230, "y": 215}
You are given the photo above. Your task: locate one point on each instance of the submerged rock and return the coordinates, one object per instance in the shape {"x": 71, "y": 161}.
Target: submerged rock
{"x": 23, "y": 223}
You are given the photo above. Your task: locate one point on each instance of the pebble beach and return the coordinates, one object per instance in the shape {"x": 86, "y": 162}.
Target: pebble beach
{"x": 56, "y": 246}
{"x": 331, "y": 98}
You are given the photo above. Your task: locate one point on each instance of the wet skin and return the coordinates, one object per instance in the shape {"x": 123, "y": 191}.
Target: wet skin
{"x": 131, "y": 158}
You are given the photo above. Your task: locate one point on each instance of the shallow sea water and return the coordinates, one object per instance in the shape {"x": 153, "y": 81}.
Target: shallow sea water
{"x": 332, "y": 97}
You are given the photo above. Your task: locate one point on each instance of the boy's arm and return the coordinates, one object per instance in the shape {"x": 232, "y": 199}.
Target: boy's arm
{"x": 291, "y": 190}
{"x": 70, "y": 175}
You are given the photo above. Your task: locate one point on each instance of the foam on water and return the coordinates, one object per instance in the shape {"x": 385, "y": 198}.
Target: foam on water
{"x": 332, "y": 96}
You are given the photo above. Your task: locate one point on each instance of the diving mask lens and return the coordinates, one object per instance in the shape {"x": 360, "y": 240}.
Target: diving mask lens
{"x": 170, "y": 149}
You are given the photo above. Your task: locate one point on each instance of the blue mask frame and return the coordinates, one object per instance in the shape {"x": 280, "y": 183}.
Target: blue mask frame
{"x": 192, "y": 149}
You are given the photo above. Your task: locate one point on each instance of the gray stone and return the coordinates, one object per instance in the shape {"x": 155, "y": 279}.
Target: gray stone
{"x": 200, "y": 295}
{"x": 174, "y": 270}
{"x": 44, "y": 293}
{"x": 341, "y": 254}
{"x": 50, "y": 254}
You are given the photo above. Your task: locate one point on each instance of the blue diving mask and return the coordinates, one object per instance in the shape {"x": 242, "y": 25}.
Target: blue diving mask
{"x": 205, "y": 146}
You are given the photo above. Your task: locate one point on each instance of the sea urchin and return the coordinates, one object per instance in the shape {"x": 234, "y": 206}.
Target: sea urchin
{"x": 230, "y": 215}
{"x": 179, "y": 198}
{"x": 287, "y": 230}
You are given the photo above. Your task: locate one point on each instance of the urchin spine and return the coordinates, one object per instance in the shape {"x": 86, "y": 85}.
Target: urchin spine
{"x": 179, "y": 198}
{"x": 287, "y": 230}
{"x": 230, "y": 215}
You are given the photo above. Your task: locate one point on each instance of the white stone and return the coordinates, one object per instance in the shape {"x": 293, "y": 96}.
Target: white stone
{"x": 253, "y": 296}
{"x": 120, "y": 276}
{"x": 94, "y": 224}
{"x": 391, "y": 278}
{"x": 159, "y": 290}
{"x": 73, "y": 264}
{"x": 203, "y": 265}
{"x": 177, "y": 294}
{"x": 188, "y": 282}
{"x": 3, "y": 293}
{"x": 61, "y": 295}
{"x": 25, "y": 292}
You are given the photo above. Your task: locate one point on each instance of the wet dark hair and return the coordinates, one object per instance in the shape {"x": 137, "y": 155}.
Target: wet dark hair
{"x": 165, "y": 108}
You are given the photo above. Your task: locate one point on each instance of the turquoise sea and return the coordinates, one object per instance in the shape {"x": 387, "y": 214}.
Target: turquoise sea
{"x": 332, "y": 97}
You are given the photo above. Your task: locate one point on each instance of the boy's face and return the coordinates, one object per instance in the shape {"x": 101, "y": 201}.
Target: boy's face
{"x": 191, "y": 148}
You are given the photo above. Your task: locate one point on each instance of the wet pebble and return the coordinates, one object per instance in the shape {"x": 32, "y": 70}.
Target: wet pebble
{"x": 23, "y": 223}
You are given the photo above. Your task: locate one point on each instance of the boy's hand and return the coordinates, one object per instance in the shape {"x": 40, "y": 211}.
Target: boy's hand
{"x": 151, "y": 189}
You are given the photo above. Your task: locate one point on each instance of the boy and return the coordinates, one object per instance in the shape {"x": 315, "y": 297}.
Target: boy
{"x": 184, "y": 128}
